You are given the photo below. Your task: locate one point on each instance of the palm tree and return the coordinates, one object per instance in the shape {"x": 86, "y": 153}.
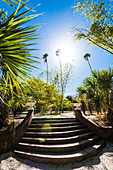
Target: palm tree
{"x": 98, "y": 89}
{"x": 15, "y": 58}
{"x": 14, "y": 44}
{"x": 61, "y": 71}
{"x": 105, "y": 83}
{"x": 12, "y": 4}
{"x": 45, "y": 61}
{"x": 86, "y": 58}
{"x": 93, "y": 92}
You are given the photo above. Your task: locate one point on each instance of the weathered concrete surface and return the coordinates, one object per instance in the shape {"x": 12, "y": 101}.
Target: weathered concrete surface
{"x": 8, "y": 140}
{"x": 103, "y": 132}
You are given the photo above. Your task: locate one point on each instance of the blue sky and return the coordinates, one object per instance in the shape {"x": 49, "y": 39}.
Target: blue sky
{"x": 57, "y": 21}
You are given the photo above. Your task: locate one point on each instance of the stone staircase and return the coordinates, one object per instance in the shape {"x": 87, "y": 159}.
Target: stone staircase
{"x": 58, "y": 141}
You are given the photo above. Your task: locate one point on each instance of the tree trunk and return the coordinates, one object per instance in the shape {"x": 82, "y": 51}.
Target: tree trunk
{"x": 4, "y": 111}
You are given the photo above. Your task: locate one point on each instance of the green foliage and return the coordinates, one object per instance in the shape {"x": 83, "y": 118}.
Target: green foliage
{"x": 100, "y": 32}
{"x": 81, "y": 90}
{"x": 70, "y": 98}
{"x": 67, "y": 105}
{"x": 97, "y": 90}
{"x": 14, "y": 52}
{"x": 13, "y": 4}
{"x": 60, "y": 78}
{"x": 45, "y": 61}
{"x": 45, "y": 57}
{"x": 16, "y": 61}
{"x": 45, "y": 95}
{"x": 55, "y": 76}
{"x": 86, "y": 56}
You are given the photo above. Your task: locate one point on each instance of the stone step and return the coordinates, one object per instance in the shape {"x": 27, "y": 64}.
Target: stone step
{"x": 48, "y": 128}
{"x": 61, "y": 158}
{"x": 62, "y": 140}
{"x": 62, "y": 148}
{"x": 53, "y": 120}
{"x": 57, "y": 141}
{"x": 55, "y": 124}
{"x": 56, "y": 134}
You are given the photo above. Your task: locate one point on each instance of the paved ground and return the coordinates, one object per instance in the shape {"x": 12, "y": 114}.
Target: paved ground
{"x": 102, "y": 161}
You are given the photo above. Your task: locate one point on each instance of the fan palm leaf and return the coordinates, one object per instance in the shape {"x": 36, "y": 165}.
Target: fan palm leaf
{"x": 15, "y": 46}
{"x": 14, "y": 3}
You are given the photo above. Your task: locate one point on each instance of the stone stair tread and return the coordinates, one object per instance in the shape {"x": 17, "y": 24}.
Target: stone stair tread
{"x": 57, "y": 124}
{"x": 55, "y": 120}
{"x": 73, "y": 154}
{"x": 58, "y": 139}
{"x": 52, "y": 133}
{"x": 59, "y": 146}
{"x": 51, "y": 155}
{"x": 53, "y": 128}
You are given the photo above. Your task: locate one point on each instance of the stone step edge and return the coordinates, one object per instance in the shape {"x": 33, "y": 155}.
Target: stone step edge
{"x": 57, "y": 124}
{"x": 55, "y": 128}
{"x": 52, "y": 118}
{"x": 59, "y": 147}
{"x": 59, "y": 139}
{"x": 55, "y": 121}
{"x": 52, "y": 133}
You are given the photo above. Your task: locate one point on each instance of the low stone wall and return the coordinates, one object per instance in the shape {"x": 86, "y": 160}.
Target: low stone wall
{"x": 7, "y": 141}
{"x": 105, "y": 133}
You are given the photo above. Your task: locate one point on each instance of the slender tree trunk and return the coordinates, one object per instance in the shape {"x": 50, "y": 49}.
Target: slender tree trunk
{"x": 89, "y": 65}
{"x": 47, "y": 71}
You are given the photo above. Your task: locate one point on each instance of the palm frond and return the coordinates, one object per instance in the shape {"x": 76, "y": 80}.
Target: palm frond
{"x": 15, "y": 47}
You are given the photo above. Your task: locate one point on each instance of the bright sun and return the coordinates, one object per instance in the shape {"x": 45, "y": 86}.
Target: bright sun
{"x": 67, "y": 50}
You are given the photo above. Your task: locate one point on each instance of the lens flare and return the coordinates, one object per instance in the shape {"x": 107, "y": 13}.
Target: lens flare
{"x": 41, "y": 140}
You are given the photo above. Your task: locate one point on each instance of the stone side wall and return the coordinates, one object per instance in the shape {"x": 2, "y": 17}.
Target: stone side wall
{"x": 7, "y": 141}
{"x": 105, "y": 133}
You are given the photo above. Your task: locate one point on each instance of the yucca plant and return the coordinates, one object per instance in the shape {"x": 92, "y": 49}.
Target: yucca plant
{"x": 15, "y": 58}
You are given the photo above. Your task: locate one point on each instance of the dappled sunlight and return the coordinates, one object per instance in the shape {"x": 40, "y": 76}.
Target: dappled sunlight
{"x": 46, "y": 128}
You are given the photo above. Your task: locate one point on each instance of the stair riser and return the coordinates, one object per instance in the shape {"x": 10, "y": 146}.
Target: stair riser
{"x": 58, "y": 135}
{"x": 50, "y": 141}
{"x": 57, "y": 119}
{"x": 52, "y": 129}
{"x": 54, "y": 121}
{"x": 55, "y": 124}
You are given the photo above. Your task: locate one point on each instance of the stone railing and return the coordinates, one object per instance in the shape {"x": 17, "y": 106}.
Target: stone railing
{"x": 7, "y": 141}
{"x": 105, "y": 133}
